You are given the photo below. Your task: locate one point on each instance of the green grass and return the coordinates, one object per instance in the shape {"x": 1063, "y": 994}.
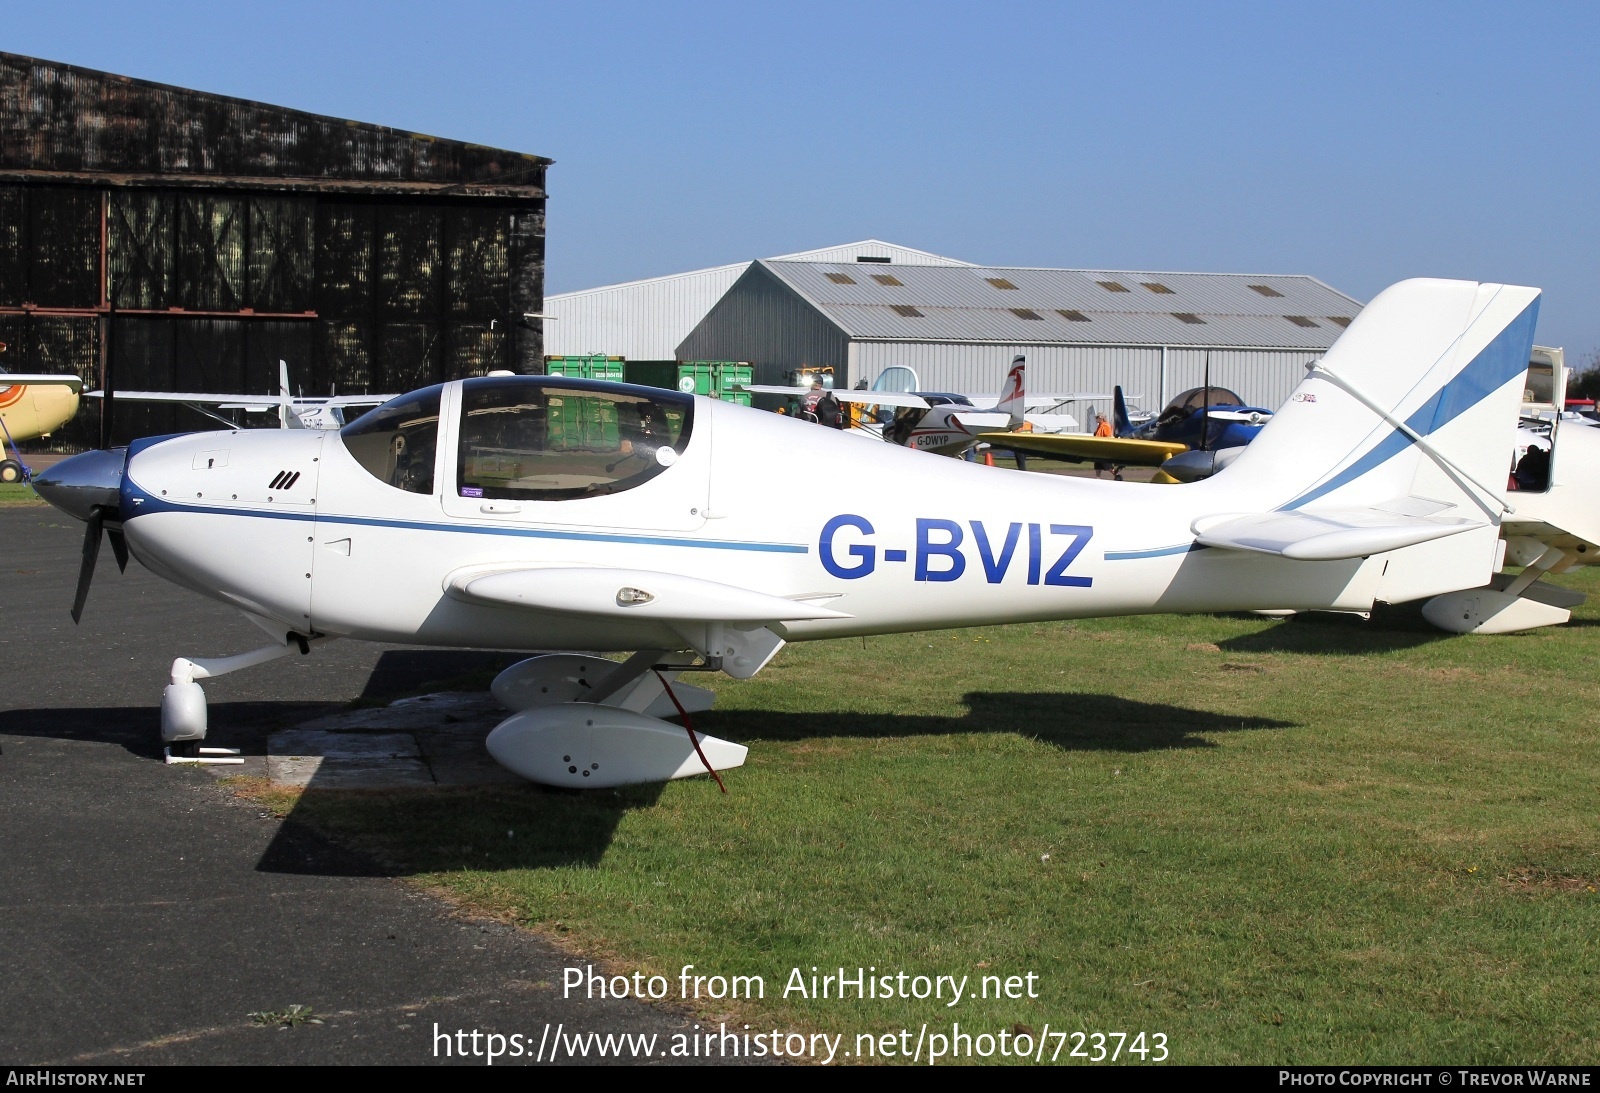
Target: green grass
{"x": 1320, "y": 840}
{"x": 18, "y": 493}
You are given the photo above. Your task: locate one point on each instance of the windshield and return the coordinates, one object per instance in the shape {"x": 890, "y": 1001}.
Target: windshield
{"x": 397, "y": 441}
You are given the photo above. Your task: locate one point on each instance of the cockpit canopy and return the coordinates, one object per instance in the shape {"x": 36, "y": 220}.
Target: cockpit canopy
{"x": 1197, "y": 398}
{"x": 527, "y": 438}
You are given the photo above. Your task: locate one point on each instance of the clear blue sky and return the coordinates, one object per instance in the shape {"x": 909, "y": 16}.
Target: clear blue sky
{"x": 1359, "y": 143}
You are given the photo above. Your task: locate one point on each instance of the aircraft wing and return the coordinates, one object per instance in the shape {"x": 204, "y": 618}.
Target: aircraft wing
{"x": 1326, "y": 535}
{"x": 240, "y": 402}
{"x": 1033, "y": 402}
{"x": 228, "y": 401}
{"x": 630, "y": 593}
{"x": 1079, "y": 448}
{"x": 870, "y": 398}
{"x": 28, "y": 379}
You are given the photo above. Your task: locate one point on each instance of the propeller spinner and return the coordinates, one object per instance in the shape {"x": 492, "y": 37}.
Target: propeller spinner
{"x": 88, "y": 487}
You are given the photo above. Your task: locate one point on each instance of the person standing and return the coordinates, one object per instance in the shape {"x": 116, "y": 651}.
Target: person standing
{"x": 1102, "y": 427}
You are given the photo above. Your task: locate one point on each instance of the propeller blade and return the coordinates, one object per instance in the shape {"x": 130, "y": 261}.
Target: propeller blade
{"x": 119, "y": 548}
{"x": 1253, "y": 417}
{"x": 91, "y": 551}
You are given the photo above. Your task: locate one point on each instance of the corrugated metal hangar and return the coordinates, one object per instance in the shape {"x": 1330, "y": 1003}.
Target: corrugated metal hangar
{"x": 153, "y": 237}
{"x": 1082, "y": 330}
{"x": 646, "y": 320}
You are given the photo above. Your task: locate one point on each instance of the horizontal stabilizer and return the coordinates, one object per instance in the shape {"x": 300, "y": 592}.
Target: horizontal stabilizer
{"x": 982, "y": 419}
{"x": 1326, "y": 535}
{"x": 631, "y": 593}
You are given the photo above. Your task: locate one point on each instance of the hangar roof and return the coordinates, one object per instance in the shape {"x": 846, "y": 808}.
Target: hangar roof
{"x": 59, "y": 122}
{"x": 1089, "y": 307}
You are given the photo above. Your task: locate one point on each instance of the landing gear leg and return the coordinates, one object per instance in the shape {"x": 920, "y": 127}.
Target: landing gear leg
{"x": 183, "y": 703}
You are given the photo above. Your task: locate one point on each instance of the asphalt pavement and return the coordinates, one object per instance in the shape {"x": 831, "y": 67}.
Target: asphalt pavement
{"x": 137, "y": 922}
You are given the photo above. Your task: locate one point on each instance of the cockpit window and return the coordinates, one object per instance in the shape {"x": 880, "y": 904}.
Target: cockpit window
{"x": 397, "y": 442}
{"x": 538, "y": 440}
{"x": 1197, "y": 398}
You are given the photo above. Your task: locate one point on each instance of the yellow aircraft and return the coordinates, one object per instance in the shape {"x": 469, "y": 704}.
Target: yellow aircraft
{"x": 31, "y": 406}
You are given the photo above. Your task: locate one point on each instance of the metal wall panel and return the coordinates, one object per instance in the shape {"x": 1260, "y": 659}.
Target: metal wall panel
{"x": 267, "y": 342}
{"x": 408, "y": 356}
{"x": 642, "y": 321}
{"x": 282, "y": 257}
{"x": 208, "y": 355}
{"x": 209, "y": 258}
{"x": 143, "y": 358}
{"x": 64, "y": 344}
{"x": 63, "y": 247}
{"x": 471, "y": 349}
{"x": 477, "y": 263}
{"x": 762, "y": 321}
{"x": 344, "y": 355}
{"x": 141, "y": 226}
{"x": 13, "y": 245}
{"x": 408, "y": 248}
{"x": 344, "y": 260}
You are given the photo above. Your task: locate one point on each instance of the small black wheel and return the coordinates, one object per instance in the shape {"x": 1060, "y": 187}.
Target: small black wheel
{"x": 184, "y": 749}
{"x": 10, "y": 470}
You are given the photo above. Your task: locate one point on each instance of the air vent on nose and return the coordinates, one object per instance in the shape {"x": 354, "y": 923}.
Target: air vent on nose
{"x": 284, "y": 480}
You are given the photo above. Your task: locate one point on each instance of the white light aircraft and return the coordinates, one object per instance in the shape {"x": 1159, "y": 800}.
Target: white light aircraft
{"x": 948, "y": 424}
{"x": 1552, "y": 523}
{"x": 294, "y": 412}
{"x": 543, "y": 513}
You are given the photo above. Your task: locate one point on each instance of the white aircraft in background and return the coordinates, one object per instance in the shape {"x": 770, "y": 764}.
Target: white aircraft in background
{"x": 536, "y": 512}
{"x": 294, "y": 412}
{"x": 1553, "y": 520}
{"x": 949, "y": 424}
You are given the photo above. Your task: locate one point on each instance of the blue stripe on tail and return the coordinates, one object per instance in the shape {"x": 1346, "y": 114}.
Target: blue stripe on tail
{"x": 1503, "y": 359}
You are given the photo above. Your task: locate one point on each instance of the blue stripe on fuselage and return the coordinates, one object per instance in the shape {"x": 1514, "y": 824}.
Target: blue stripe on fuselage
{"x": 150, "y": 504}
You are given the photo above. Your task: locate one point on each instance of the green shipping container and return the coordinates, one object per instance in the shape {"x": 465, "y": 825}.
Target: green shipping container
{"x": 582, "y": 424}
{"x": 694, "y": 378}
{"x": 662, "y": 374}
{"x": 596, "y": 367}
{"x": 728, "y": 374}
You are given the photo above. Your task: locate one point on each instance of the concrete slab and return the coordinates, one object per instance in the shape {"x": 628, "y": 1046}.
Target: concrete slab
{"x": 344, "y": 745}
{"x": 419, "y": 742}
{"x": 428, "y": 712}
{"x": 320, "y": 772}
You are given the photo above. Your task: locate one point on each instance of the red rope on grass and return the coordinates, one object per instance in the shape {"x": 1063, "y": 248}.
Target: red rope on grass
{"x": 693, "y": 739}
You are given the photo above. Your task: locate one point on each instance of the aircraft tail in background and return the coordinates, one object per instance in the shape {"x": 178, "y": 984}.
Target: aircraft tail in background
{"x": 1121, "y": 423}
{"x": 1013, "y": 398}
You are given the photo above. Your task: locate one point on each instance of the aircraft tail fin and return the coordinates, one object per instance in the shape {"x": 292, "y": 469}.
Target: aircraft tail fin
{"x": 1413, "y": 411}
{"x": 1013, "y": 398}
{"x": 1121, "y": 423}
{"x": 288, "y": 418}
